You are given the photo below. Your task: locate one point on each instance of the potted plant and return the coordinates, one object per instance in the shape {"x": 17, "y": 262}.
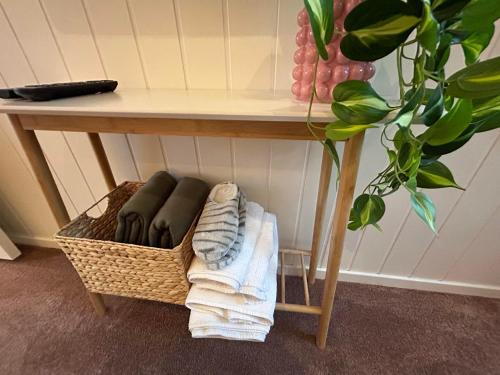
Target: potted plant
{"x": 436, "y": 114}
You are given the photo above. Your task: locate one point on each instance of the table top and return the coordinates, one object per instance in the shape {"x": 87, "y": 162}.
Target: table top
{"x": 180, "y": 104}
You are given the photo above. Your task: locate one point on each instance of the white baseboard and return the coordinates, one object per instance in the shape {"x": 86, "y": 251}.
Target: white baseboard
{"x": 490, "y": 291}
{"x": 430, "y": 285}
{"x": 20, "y": 239}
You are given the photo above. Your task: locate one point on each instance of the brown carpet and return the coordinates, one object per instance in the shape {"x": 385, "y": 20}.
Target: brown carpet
{"x": 48, "y": 327}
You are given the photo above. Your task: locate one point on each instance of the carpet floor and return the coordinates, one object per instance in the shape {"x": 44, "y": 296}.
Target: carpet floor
{"x": 48, "y": 327}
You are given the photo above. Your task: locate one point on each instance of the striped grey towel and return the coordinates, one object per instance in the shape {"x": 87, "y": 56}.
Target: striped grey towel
{"x": 217, "y": 229}
{"x": 233, "y": 252}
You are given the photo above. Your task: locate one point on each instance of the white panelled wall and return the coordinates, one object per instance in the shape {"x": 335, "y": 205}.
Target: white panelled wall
{"x": 239, "y": 45}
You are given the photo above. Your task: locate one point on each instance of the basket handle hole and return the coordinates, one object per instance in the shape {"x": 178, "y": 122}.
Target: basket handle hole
{"x": 99, "y": 209}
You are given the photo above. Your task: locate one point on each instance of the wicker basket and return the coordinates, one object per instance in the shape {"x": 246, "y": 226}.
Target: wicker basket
{"x": 109, "y": 267}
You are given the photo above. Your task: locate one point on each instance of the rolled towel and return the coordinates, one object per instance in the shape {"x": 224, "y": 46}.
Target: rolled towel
{"x": 217, "y": 228}
{"x": 232, "y": 277}
{"x": 137, "y": 213}
{"x": 175, "y": 217}
{"x": 235, "y": 249}
{"x": 236, "y": 308}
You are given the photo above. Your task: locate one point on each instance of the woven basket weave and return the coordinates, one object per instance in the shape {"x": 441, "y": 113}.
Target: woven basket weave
{"x": 109, "y": 267}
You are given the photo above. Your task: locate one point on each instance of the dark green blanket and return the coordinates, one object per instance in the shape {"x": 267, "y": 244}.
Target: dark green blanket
{"x": 136, "y": 215}
{"x": 174, "y": 219}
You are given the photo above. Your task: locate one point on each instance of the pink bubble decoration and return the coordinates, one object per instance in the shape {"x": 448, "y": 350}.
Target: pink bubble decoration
{"x": 311, "y": 54}
{"x": 369, "y": 71}
{"x": 307, "y": 73}
{"x": 340, "y": 73}
{"x": 337, "y": 68}
{"x": 296, "y": 89}
{"x": 305, "y": 91}
{"x": 301, "y": 38}
{"x": 297, "y": 72}
{"x": 324, "y": 72}
{"x": 303, "y": 18}
{"x": 323, "y": 91}
{"x": 300, "y": 56}
{"x": 357, "y": 71}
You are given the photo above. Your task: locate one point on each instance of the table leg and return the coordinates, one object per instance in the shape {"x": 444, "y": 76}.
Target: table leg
{"x": 348, "y": 174}
{"x": 35, "y": 156}
{"x": 100, "y": 154}
{"x": 324, "y": 184}
{"x": 98, "y": 303}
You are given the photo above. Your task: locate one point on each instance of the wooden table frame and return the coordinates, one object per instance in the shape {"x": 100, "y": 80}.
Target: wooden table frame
{"x": 24, "y": 126}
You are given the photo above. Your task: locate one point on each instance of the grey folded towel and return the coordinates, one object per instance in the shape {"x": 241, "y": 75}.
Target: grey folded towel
{"x": 174, "y": 219}
{"x": 135, "y": 217}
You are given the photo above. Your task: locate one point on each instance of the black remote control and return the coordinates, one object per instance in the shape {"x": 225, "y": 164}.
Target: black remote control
{"x": 9, "y": 94}
{"x": 59, "y": 90}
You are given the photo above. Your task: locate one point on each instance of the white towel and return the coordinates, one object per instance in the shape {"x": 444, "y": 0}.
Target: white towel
{"x": 208, "y": 325}
{"x": 236, "y": 308}
{"x": 230, "y": 278}
{"x": 267, "y": 246}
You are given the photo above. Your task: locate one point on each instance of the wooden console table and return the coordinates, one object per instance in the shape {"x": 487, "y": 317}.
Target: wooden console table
{"x": 197, "y": 113}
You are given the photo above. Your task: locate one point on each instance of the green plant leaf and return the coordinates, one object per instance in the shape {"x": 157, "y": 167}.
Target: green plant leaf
{"x": 375, "y": 28}
{"x": 427, "y": 32}
{"x": 392, "y": 156}
{"x": 405, "y": 115}
{"x": 355, "y": 102}
{"x": 486, "y": 113}
{"x": 424, "y": 207}
{"x": 478, "y": 80}
{"x": 367, "y": 209}
{"x": 443, "y": 52}
{"x": 434, "y": 108}
{"x": 408, "y": 158}
{"x": 332, "y": 151}
{"x": 479, "y": 15}
{"x": 451, "y": 125}
{"x": 433, "y": 151}
{"x": 373, "y": 210}
{"x": 411, "y": 184}
{"x": 340, "y": 130}
{"x": 321, "y": 19}
{"x": 475, "y": 44}
{"x": 435, "y": 175}
{"x": 446, "y": 9}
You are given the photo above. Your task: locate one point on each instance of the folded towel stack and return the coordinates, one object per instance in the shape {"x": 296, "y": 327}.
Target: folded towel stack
{"x": 238, "y": 301}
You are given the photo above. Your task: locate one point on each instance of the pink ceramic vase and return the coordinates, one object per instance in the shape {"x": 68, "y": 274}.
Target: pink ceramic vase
{"x": 336, "y": 69}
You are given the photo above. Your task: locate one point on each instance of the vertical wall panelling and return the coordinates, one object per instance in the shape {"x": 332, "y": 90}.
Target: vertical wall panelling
{"x": 416, "y": 236}
{"x": 285, "y": 42}
{"x": 120, "y": 157}
{"x": 482, "y": 254}
{"x": 287, "y": 165}
{"x": 120, "y": 48}
{"x": 17, "y": 184}
{"x": 309, "y": 193}
{"x": 234, "y": 45}
{"x": 36, "y": 43}
{"x": 215, "y": 159}
{"x": 114, "y": 36}
{"x": 201, "y": 35}
{"x": 156, "y": 32}
{"x": 252, "y": 29}
{"x": 469, "y": 215}
{"x": 74, "y": 37}
{"x": 180, "y": 153}
{"x": 251, "y": 168}
{"x": 148, "y": 154}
